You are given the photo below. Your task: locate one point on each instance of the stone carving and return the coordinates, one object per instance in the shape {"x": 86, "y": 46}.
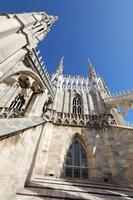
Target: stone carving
{"x": 18, "y": 102}
{"x": 101, "y": 120}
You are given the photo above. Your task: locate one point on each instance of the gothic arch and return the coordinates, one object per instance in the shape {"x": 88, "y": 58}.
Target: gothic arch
{"x": 89, "y": 152}
{"x": 90, "y": 157}
{"x": 76, "y": 162}
{"x": 77, "y": 104}
{"x": 69, "y": 100}
{"x": 21, "y": 69}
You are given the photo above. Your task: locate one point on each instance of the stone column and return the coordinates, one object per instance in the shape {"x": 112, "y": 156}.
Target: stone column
{"x": 91, "y": 103}
{"x": 85, "y": 105}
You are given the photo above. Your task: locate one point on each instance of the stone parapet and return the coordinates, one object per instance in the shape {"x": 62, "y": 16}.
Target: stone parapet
{"x": 102, "y": 120}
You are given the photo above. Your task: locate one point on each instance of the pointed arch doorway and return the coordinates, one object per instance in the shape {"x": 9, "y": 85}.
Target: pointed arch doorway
{"x": 76, "y": 162}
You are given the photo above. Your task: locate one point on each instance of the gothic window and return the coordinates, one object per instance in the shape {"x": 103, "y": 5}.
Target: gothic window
{"x": 79, "y": 110}
{"x": 64, "y": 84}
{"x": 79, "y": 86}
{"x": 76, "y": 165}
{"x": 74, "y": 101}
{"x": 74, "y": 109}
{"x": 18, "y": 102}
{"x": 69, "y": 85}
{"x": 77, "y": 105}
{"x": 74, "y": 85}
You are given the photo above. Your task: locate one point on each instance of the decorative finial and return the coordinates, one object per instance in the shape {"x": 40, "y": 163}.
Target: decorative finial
{"x": 62, "y": 60}
{"x": 60, "y": 66}
{"x": 92, "y": 72}
{"x": 89, "y": 62}
{"x": 53, "y": 18}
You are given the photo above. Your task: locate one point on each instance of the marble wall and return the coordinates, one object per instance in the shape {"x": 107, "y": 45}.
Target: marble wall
{"x": 109, "y": 152}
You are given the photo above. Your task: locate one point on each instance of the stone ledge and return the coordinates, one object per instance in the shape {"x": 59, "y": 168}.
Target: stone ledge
{"x": 83, "y": 184}
{"x": 11, "y": 127}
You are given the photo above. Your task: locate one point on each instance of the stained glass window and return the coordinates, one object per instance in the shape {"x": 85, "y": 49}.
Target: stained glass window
{"x": 76, "y": 165}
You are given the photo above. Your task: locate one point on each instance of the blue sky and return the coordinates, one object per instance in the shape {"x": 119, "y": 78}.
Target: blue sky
{"x": 99, "y": 29}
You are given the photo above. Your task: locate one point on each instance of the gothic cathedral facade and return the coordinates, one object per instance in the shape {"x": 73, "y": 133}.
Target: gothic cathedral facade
{"x": 58, "y": 130}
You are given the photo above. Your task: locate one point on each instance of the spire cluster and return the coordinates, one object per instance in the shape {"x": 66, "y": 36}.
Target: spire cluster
{"x": 92, "y": 72}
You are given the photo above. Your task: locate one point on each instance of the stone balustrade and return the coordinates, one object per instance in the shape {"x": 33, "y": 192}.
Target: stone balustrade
{"x": 124, "y": 99}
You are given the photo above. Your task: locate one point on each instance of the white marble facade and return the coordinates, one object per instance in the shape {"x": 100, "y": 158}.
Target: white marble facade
{"x": 40, "y": 116}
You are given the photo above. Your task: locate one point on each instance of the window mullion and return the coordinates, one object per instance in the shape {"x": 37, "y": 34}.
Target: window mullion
{"x": 77, "y": 168}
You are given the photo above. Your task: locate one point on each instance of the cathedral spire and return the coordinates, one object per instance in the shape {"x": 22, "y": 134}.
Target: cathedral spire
{"x": 50, "y": 19}
{"x": 92, "y": 72}
{"x": 59, "y": 70}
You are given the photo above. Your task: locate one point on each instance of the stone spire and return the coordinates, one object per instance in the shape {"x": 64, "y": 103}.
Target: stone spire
{"x": 21, "y": 33}
{"x": 38, "y": 30}
{"x": 92, "y": 72}
{"x": 34, "y": 26}
{"x": 59, "y": 70}
{"x": 50, "y": 19}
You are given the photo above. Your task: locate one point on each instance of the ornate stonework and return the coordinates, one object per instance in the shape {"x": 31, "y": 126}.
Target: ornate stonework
{"x": 61, "y": 136}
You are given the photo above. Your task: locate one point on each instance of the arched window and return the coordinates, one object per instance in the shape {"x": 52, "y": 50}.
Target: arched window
{"x": 74, "y": 101}
{"x": 64, "y": 84}
{"x": 77, "y": 105}
{"x": 76, "y": 165}
{"x": 79, "y": 109}
{"x": 74, "y": 109}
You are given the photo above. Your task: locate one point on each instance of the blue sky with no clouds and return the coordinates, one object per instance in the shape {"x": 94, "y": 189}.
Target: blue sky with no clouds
{"x": 99, "y": 29}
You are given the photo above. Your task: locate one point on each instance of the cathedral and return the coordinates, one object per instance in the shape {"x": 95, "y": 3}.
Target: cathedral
{"x": 61, "y": 136}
